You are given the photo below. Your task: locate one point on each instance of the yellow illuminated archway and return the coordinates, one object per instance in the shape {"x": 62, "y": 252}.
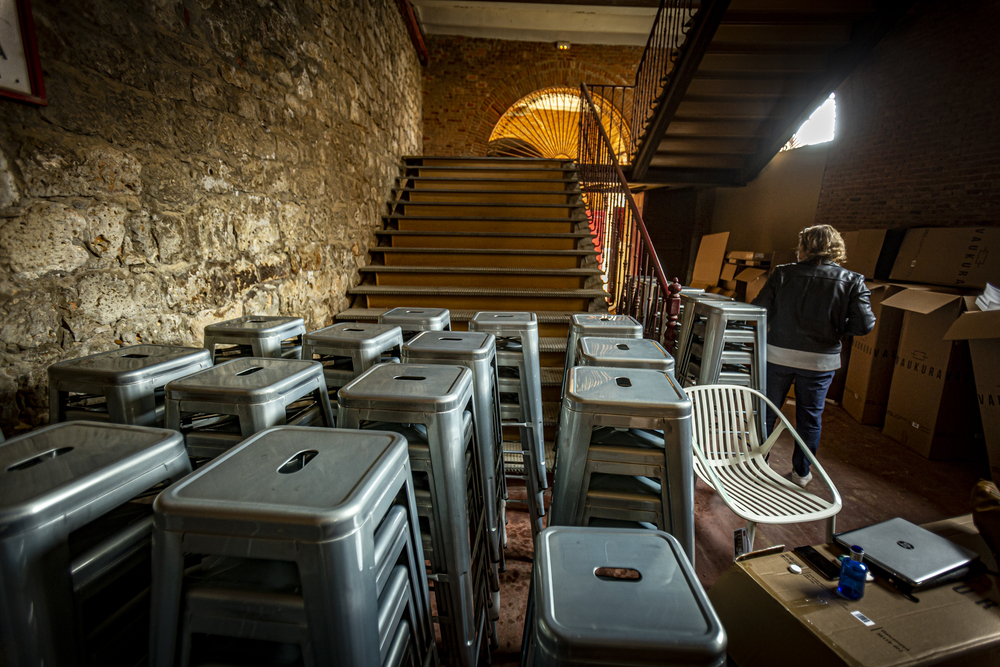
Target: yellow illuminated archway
{"x": 546, "y": 124}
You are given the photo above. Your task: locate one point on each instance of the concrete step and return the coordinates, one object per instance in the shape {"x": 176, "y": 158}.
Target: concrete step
{"x": 486, "y": 223}
{"x": 444, "y": 208}
{"x": 494, "y": 196}
{"x": 483, "y": 298}
{"x": 491, "y": 257}
{"x": 500, "y": 173}
{"x": 478, "y": 276}
{"x": 499, "y": 240}
{"x": 508, "y": 184}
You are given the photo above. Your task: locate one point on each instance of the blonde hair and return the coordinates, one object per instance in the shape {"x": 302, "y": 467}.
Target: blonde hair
{"x": 823, "y": 243}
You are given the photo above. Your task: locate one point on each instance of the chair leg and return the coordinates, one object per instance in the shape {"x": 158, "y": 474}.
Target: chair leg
{"x": 751, "y": 531}
{"x": 831, "y": 528}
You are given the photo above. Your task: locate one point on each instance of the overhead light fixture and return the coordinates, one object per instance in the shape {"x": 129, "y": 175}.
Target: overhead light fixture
{"x": 562, "y": 46}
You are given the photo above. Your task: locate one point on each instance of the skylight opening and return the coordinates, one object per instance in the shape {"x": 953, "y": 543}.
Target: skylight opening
{"x": 818, "y": 128}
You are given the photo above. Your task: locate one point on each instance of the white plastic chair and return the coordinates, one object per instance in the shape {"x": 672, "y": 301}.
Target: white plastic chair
{"x": 730, "y": 458}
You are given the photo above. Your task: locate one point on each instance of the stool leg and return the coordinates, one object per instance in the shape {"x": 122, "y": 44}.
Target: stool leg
{"x": 165, "y": 597}
{"x": 573, "y": 442}
{"x": 341, "y": 600}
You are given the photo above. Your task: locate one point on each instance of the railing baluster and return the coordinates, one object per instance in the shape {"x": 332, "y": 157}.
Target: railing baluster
{"x": 635, "y": 280}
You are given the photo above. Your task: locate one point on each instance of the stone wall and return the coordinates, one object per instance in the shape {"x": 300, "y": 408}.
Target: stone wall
{"x": 918, "y": 134}
{"x": 197, "y": 161}
{"x": 470, "y": 82}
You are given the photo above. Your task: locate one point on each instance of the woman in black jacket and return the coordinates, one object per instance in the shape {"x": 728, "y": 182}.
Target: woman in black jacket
{"x": 810, "y": 306}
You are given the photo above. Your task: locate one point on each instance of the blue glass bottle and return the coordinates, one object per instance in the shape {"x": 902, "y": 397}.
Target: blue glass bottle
{"x": 853, "y": 573}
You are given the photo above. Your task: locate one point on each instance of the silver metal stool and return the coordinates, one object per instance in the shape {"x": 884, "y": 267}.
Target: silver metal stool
{"x": 312, "y": 497}
{"x": 727, "y": 345}
{"x": 477, "y": 352}
{"x": 690, "y": 296}
{"x": 68, "y": 531}
{"x": 123, "y": 386}
{"x": 429, "y": 404}
{"x": 625, "y": 353}
{"x": 258, "y": 599}
{"x": 625, "y": 399}
{"x": 596, "y": 324}
{"x": 219, "y": 407}
{"x": 414, "y": 320}
{"x": 268, "y": 336}
{"x": 348, "y": 349}
{"x": 519, "y": 369}
{"x": 605, "y": 596}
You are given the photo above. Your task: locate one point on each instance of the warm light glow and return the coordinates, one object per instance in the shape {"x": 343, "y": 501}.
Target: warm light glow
{"x": 818, "y": 129}
{"x": 562, "y": 46}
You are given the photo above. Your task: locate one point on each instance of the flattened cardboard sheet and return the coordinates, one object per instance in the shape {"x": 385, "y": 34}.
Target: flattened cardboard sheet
{"x": 708, "y": 263}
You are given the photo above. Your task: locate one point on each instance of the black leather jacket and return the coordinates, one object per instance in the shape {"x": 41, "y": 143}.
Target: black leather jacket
{"x": 811, "y": 306}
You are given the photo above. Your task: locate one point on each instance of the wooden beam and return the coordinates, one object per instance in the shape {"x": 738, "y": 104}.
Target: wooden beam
{"x": 413, "y": 28}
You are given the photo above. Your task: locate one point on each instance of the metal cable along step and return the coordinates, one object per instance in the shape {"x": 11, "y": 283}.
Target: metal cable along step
{"x": 489, "y": 270}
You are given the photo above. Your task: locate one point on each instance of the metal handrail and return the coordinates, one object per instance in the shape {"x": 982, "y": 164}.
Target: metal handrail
{"x": 635, "y": 280}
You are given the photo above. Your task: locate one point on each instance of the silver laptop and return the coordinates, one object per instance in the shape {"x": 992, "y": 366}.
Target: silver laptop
{"x": 910, "y": 553}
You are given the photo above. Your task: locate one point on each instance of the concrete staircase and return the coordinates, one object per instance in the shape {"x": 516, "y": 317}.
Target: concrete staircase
{"x": 472, "y": 234}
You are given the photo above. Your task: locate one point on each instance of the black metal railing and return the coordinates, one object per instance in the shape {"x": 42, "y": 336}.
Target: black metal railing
{"x": 634, "y": 279}
{"x": 674, "y": 20}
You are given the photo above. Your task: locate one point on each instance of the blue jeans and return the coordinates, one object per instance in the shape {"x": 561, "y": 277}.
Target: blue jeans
{"x": 810, "y": 397}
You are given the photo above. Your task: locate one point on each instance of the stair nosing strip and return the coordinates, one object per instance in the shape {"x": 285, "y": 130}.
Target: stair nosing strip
{"x": 480, "y": 251}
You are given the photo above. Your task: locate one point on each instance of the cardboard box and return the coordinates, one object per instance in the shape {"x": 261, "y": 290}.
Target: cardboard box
{"x": 754, "y": 288}
{"x": 982, "y": 330}
{"x": 872, "y": 252}
{"x": 873, "y": 358}
{"x": 932, "y": 401}
{"x": 779, "y": 257}
{"x": 774, "y": 618}
{"x": 744, "y": 255}
{"x": 708, "y": 263}
{"x": 962, "y": 256}
{"x": 728, "y": 271}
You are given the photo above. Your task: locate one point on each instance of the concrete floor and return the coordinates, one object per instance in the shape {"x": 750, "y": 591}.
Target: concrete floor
{"x": 878, "y": 479}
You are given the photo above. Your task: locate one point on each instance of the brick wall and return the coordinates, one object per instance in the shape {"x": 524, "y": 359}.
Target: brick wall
{"x": 469, "y": 83}
{"x": 197, "y": 161}
{"x": 918, "y": 131}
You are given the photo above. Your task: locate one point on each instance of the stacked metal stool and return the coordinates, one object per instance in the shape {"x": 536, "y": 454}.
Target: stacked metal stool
{"x": 689, "y": 296}
{"x": 433, "y": 406}
{"x": 268, "y": 336}
{"x": 477, "y": 352}
{"x": 310, "y": 537}
{"x": 348, "y": 349}
{"x": 75, "y": 540}
{"x": 618, "y": 597}
{"x": 625, "y": 353}
{"x": 519, "y": 371}
{"x": 217, "y": 408}
{"x": 725, "y": 344}
{"x": 596, "y": 324}
{"x": 414, "y": 320}
{"x": 624, "y": 452}
{"x": 123, "y": 386}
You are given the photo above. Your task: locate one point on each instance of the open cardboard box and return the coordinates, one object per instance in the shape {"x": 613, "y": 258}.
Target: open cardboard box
{"x": 982, "y": 330}
{"x": 774, "y": 618}
{"x": 932, "y": 401}
{"x": 873, "y": 358}
{"x": 872, "y": 252}
{"x": 959, "y": 256}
